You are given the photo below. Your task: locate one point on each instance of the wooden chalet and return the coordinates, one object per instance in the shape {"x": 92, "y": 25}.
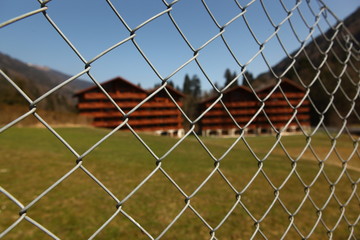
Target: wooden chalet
{"x": 159, "y": 114}
{"x": 282, "y": 107}
{"x": 239, "y": 101}
{"x": 285, "y": 106}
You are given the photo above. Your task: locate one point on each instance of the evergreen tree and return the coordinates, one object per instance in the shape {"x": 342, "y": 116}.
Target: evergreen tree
{"x": 187, "y": 85}
{"x": 213, "y": 91}
{"x": 196, "y": 87}
{"x": 230, "y": 76}
{"x": 170, "y": 83}
{"x": 250, "y": 78}
{"x": 192, "y": 90}
{"x": 192, "y": 86}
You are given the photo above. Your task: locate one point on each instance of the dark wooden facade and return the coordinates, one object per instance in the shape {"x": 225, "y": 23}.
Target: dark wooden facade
{"x": 240, "y": 102}
{"x": 285, "y": 106}
{"x": 240, "y": 108}
{"x": 250, "y": 112}
{"x": 158, "y": 114}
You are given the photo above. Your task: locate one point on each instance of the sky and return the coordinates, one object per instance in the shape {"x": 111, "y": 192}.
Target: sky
{"x": 92, "y": 27}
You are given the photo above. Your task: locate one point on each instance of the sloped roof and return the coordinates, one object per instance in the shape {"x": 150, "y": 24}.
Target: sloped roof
{"x": 171, "y": 89}
{"x": 237, "y": 88}
{"x": 120, "y": 79}
{"x": 285, "y": 81}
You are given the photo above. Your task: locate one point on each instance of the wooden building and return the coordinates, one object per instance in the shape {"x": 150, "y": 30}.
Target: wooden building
{"x": 242, "y": 104}
{"x": 284, "y": 106}
{"x": 239, "y": 101}
{"x": 159, "y": 114}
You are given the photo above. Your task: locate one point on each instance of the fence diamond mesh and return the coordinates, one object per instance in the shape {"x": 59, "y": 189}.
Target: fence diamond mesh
{"x": 294, "y": 182}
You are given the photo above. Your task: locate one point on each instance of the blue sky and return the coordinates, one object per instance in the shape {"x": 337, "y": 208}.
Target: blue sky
{"x": 92, "y": 27}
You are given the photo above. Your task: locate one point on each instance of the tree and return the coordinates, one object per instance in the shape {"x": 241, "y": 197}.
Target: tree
{"x": 170, "y": 83}
{"x": 192, "y": 86}
{"x": 229, "y": 76}
{"x": 192, "y": 90}
{"x": 187, "y": 85}
{"x": 214, "y": 91}
{"x": 249, "y": 77}
{"x": 196, "y": 87}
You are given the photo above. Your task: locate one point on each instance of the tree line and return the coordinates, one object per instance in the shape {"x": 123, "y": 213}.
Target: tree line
{"x": 194, "y": 93}
{"x": 192, "y": 85}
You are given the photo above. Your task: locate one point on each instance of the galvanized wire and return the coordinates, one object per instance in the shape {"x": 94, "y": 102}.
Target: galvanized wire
{"x": 340, "y": 36}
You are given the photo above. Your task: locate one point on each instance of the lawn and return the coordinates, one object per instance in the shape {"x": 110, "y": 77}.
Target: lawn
{"x": 32, "y": 159}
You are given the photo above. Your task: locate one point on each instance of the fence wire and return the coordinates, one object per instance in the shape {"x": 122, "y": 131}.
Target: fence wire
{"x": 347, "y": 64}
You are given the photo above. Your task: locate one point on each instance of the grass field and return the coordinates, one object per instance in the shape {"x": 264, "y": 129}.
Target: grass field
{"x": 32, "y": 159}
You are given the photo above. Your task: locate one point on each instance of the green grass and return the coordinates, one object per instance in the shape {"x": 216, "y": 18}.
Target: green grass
{"x": 32, "y": 159}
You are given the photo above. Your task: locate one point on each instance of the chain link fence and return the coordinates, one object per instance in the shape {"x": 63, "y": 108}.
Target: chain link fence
{"x": 277, "y": 186}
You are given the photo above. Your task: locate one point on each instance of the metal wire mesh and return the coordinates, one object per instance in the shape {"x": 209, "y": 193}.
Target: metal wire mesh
{"x": 348, "y": 62}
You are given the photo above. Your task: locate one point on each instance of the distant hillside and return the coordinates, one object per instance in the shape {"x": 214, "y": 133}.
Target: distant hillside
{"x": 310, "y": 62}
{"x": 58, "y": 108}
{"x": 35, "y": 81}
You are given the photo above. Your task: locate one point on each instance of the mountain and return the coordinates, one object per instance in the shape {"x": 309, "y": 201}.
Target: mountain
{"x": 324, "y": 66}
{"x": 35, "y": 81}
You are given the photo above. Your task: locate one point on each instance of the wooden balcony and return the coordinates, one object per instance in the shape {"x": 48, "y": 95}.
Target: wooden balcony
{"x": 125, "y": 105}
{"x": 115, "y": 96}
{"x": 285, "y": 103}
{"x": 233, "y": 104}
{"x": 224, "y": 120}
{"x": 142, "y": 124}
{"x": 222, "y": 112}
{"x": 268, "y": 110}
{"x": 154, "y": 121}
{"x": 289, "y": 95}
{"x": 120, "y": 96}
{"x": 253, "y": 104}
{"x": 138, "y": 113}
{"x": 282, "y": 125}
{"x": 289, "y": 110}
{"x": 277, "y": 118}
{"x": 162, "y": 128}
{"x": 254, "y": 126}
{"x": 259, "y": 121}
{"x": 226, "y": 127}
